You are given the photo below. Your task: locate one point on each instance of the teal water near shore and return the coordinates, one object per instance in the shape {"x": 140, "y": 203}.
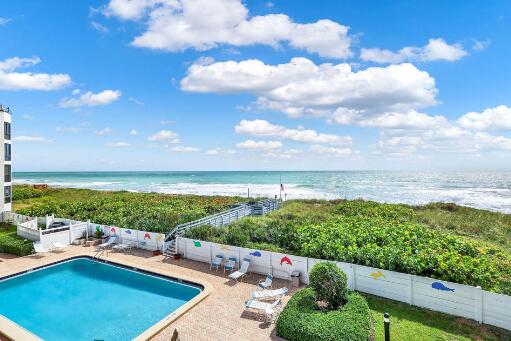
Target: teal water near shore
{"x": 487, "y": 190}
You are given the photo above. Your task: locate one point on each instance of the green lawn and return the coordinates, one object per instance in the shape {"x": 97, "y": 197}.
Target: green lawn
{"x": 412, "y": 323}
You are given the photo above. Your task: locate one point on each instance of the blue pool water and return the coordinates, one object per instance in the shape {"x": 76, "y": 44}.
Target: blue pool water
{"x": 87, "y": 300}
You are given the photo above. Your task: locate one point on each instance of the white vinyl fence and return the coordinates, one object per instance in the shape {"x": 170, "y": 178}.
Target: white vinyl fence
{"x": 144, "y": 240}
{"x": 27, "y": 227}
{"x": 447, "y": 297}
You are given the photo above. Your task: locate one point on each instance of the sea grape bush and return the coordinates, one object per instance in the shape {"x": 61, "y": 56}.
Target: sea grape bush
{"x": 26, "y": 192}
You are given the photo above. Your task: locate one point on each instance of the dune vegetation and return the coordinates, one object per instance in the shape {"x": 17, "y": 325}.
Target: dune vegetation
{"x": 147, "y": 211}
{"x": 442, "y": 241}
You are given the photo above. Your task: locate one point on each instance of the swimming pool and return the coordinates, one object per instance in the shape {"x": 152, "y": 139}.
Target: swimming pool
{"x": 84, "y": 299}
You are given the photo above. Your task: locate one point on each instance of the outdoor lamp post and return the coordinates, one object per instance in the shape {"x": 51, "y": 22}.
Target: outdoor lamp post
{"x": 386, "y": 323}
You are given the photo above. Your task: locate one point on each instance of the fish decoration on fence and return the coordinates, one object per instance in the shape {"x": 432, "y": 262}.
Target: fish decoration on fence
{"x": 159, "y": 237}
{"x": 286, "y": 260}
{"x": 147, "y": 236}
{"x": 377, "y": 274}
{"x": 127, "y": 231}
{"x": 224, "y": 247}
{"x": 197, "y": 243}
{"x": 112, "y": 229}
{"x": 440, "y": 286}
{"x": 255, "y": 254}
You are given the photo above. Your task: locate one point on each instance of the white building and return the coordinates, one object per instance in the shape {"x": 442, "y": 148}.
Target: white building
{"x": 5, "y": 157}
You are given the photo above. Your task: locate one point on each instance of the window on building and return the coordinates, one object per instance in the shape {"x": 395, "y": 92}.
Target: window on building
{"x": 7, "y": 151}
{"x": 7, "y": 194}
{"x": 7, "y": 173}
{"x": 7, "y": 130}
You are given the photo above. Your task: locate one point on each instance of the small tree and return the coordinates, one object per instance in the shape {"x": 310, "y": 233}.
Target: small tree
{"x": 329, "y": 283}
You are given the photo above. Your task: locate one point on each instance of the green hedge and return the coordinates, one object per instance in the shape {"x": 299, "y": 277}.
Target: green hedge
{"x": 302, "y": 320}
{"x": 15, "y": 245}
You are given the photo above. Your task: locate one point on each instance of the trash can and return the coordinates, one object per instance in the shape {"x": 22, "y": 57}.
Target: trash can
{"x": 295, "y": 279}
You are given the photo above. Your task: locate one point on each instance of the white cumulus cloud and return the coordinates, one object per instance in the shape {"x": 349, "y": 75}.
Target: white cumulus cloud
{"x": 259, "y": 145}
{"x": 32, "y": 139}
{"x": 332, "y": 151}
{"x": 117, "y": 144}
{"x": 164, "y": 136}
{"x": 435, "y": 49}
{"x": 184, "y": 149}
{"x": 302, "y": 88}
{"x": 10, "y": 79}
{"x": 265, "y": 128}
{"x": 90, "y": 99}
{"x": 177, "y": 25}
{"x": 498, "y": 118}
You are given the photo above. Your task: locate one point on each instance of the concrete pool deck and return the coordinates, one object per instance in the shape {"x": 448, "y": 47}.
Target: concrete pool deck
{"x": 219, "y": 316}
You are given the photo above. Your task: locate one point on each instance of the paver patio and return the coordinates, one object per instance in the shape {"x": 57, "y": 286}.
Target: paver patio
{"x": 221, "y": 316}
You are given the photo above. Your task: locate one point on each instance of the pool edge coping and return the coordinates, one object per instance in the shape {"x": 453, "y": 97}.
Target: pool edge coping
{"x": 13, "y": 331}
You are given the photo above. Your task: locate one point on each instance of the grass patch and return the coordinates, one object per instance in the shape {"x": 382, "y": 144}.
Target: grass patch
{"x": 412, "y": 323}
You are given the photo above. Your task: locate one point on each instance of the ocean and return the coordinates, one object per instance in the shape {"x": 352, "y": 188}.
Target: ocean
{"x": 486, "y": 190}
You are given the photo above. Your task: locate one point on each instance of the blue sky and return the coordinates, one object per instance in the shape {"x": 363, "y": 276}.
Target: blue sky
{"x": 230, "y": 85}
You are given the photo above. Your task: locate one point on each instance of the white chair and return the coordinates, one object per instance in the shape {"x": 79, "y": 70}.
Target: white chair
{"x": 39, "y": 248}
{"x": 242, "y": 271}
{"x": 109, "y": 243}
{"x": 58, "y": 246}
{"x": 265, "y": 294}
{"x": 217, "y": 262}
{"x": 268, "y": 308}
{"x": 123, "y": 246}
{"x": 267, "y": 283}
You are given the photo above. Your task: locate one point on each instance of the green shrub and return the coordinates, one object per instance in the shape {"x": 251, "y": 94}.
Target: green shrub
{"x": 329, "y": 283}
{"x": 302, "y": 320}
{"x": 15, "y": 245}
{"x": 26, "y": 192}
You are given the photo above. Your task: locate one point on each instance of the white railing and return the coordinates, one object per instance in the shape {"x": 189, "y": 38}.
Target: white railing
{"x": 447, "y": 297}
{"x": 224, "y": 218}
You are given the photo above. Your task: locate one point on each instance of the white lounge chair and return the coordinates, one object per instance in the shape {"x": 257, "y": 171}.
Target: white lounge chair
{"x": 268, "y": 308}
{"x": 58, "y": 246}
{"x": 265, "y": 294}
{"x": 267, "y": 283}
{"x": 124, "y": 246}
{"x": 109, "y": 243}
{"x": 217, "y": 262}
{"x": 39, "y": 248}
{"x": 242, "y": 271}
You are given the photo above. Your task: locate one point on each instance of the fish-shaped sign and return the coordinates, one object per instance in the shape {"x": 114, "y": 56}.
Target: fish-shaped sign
{"x": 197, "y": 243}
{"x": 127, "y": 231}
{"x": 377, "y": 274}
{"x": 255, "y": 254}
{"x": 285, "y": 260}
{"x": 440, "y": 286}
